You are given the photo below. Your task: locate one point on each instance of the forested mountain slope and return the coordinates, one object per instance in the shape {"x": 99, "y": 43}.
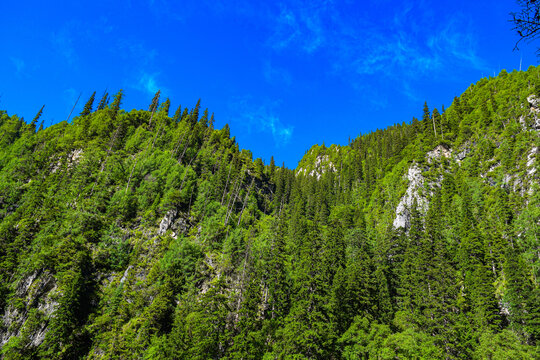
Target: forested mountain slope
{"x": 129, "y": 235}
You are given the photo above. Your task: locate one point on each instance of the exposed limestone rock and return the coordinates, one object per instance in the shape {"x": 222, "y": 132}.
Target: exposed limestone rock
{"x": 72, "y": 159}
{"x": 531, "y": 157}
{"x": 321, "y": 166}
{"x": 534, "y": 103}
{"x": 166, "y": 222}
{"x": 180, "y": 226}
{"x": 36, "y": 291}
{"x": 439, "y": 152}
{"x": 75, "y": 155}
{"x": 126, "y": 273}
{"x": 494, "y": 166}
{"x": 416, "y": 181}
{"x": 462, "y": 154}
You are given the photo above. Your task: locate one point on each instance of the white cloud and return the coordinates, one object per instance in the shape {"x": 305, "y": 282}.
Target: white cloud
{"x": 136, "y": 52}
{"x": 300, "y": 26}
{"x": 148, "y": 83}
{"x": 276, "y": 75}
{"x": 404, "y": 44}
{"x": 63, "y": 44}
{"x": 262, "y": 118}
{"x": 19, "y": 65}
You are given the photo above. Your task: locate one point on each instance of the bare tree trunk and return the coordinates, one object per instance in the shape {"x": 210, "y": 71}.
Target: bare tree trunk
{"x": 245, "y": 200}
{"x": 226, "y": 185}
{"x": 177, "y": 146}
{"x": 73, "y": 108}
{"x": 111, "y": 144}
{"x": 183, "y": 152}
{"x": 229, "y": 213}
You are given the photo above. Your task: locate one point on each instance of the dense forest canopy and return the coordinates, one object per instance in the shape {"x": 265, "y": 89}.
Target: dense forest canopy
{"x": 150, "y": 234}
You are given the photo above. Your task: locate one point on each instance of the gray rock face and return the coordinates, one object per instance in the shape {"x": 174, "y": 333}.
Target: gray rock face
{"x": 167, "y": 220}
{"x": 36, "y": 291}
{"x": 439, "y": 152}
{"x": 534, "y": 103}
{"x": 180, "y": 226}
{"x": 321, "y": 166}
{"x": 463, "y": 154}
{"x": 531, "y": 157}
{"x": 403, "y": 214}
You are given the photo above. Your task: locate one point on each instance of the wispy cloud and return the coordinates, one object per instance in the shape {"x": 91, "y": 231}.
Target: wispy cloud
{"x": 136, "y": 52}
{"x": 142, "y": 75}
{"x": 451, "y": 40}
{"x": 404, "y": 45}
{"x": 276, "y": 75}
{"x": 62, "y": 43}
{"x": 19, "y": 64}
{"x": 301, "y": 26}
{"x": 148, "y": 83}
{"x": 261, "y": 118}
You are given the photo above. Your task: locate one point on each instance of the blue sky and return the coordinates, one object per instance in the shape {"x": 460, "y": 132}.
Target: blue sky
{"x": 284, "y": 75}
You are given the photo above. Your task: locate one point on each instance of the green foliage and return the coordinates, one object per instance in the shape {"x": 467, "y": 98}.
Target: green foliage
{"x": 138, "y": 235}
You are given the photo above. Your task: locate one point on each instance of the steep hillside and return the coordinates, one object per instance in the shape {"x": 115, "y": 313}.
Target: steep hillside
{"x": 128, "y": 235}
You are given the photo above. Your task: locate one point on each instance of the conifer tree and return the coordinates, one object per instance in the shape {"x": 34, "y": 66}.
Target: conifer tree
{"x": 437, "y": 122}
{"x": 115, "y": 106}
{"x": 104, "y": 101}
{"x": 271, "y": 168}
{"x": 88, "y": 106}
{"x": 427, "y": 125}
{"x": 153, "y": 107}
{"x": 155, "y": 102}
{"x": 36, "y": 118}
{"x": 203, "y": 122}
{"x": 211, "y": 122}
{"x": 194, "y": 116}
{"x": 165, "y": 107}
{"x": 477, "y": 276}
{"x": 185, "y": 114}
{"x": 178, "y": 114}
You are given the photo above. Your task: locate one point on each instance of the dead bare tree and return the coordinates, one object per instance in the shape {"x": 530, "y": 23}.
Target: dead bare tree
{"x": 527, "y": 21}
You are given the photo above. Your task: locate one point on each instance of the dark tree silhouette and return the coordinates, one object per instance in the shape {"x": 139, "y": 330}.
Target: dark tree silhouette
{"x": 527, "y": 21}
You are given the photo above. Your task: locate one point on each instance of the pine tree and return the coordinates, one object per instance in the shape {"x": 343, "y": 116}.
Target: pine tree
{"x": 88, "y": 106}
{"x": 477, "y": 276}
{"x": 184, "y": 114}
{"x": 104, "y": 101}
{"x": 272, "y": 168}
{"x": 115, "y": 106}
{"x": 211, "y": 122}
{"x": 194, "y": 116}
{"x": 36, "y": 118}
{"x": 155, "y": 102}
{"x": 203, "y": 122}
{"x": 485, "y": 115}
{"x": 178, "y": 114}
{"x": 165, "y": 107}
{"x": 427, "y": 125}
{"x": 437, "y": 122}
{"x": 521, "y": 298}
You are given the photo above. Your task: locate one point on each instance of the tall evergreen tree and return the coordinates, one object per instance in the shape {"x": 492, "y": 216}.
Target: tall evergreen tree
{"x": 427, "y": 124}
{"x": 115, "y": 106}
{"x": 165, "y": 107}
{"x": 88, "y": 106}
{"x": 104, "y": 101}
{"x": 155, "y": 102}
{"x": 36, "y": 118}
{"x": 178, "y": 114}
